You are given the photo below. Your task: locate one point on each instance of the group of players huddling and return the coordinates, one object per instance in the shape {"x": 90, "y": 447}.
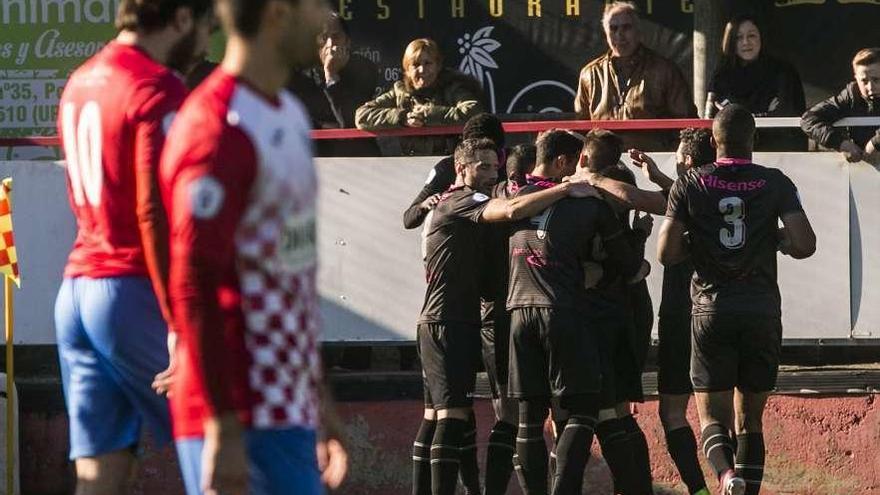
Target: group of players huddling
{"x": 206, "y": 227}
{"x": 538, "y": 265}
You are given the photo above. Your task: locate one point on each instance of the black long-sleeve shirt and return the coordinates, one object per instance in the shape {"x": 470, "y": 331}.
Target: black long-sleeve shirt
{"x": 818, "y": 121}
{"x": 439, "y": 179}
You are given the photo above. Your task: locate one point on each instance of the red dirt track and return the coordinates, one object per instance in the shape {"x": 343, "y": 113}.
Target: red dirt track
{"x": 816, "y": 446}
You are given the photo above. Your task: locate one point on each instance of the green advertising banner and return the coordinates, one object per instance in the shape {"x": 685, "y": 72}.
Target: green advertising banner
{"x": 41, "y": 42}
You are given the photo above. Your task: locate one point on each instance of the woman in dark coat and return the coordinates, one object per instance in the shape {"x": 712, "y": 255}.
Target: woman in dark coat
{"x": 768, "y": 86}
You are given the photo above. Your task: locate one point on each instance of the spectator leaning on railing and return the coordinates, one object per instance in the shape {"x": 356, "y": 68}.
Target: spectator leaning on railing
{"x": 428, "y": 95}
{"x": 334, "y": 90}
{"x": 632, "y": 81}
{"x": 767, "y": 86}
{"x": 860, "y": 98}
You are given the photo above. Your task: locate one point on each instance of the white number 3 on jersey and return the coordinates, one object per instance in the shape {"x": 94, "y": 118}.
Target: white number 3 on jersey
{"x": 734, "y": 214}
{"x": 82, "y": 148}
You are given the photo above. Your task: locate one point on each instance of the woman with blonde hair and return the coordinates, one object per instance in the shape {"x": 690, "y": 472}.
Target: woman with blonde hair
{"x": 428, "y": 95}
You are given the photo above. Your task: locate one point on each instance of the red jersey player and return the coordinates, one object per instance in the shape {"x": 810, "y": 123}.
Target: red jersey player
{"x": 111, "y": 333}
{"x": 239, "y": 185}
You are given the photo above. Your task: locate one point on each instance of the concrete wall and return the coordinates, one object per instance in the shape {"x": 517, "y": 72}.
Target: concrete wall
{"x": 371, "y": 278}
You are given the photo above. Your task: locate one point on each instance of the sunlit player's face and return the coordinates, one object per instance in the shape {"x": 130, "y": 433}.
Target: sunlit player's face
{"x": 482, "y": 174}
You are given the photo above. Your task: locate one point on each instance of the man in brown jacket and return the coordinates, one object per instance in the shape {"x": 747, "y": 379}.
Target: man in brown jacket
{"x": 632, "y": 81}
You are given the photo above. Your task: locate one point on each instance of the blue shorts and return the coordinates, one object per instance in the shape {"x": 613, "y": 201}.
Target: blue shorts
{"x": 112, "y": 340}
{"x": 282, "y": 462}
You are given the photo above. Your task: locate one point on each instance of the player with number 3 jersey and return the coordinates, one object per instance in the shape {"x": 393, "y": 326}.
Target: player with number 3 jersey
{"x": 113, "y": 116}
{"x": 730, "y": 211}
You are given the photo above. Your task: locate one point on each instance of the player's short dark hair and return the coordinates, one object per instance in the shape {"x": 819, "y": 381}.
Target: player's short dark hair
{"x": 484, "y": 125}
{"x": 151, "y": 15}
{"x": 697, "y": 144}
{"x": 244, "y": 15}
{"x": 734, "y": 127}
{"x": 866, "y": 56}
{"x": 603, "y": 149}
{"x": 466, "y": 151}
{"x": 557, "y": 142}
{"x": 521, "y": 159}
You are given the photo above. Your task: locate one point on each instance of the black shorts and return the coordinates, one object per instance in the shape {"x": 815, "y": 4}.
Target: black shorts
{"x": 620, "y": 359}
{"x": 674, "y": 354}
{"x": 553, "y": 353}
{"x": 450, "y": 355}
{"x": 735, "y": 351}
{"x": 496, "y": 345}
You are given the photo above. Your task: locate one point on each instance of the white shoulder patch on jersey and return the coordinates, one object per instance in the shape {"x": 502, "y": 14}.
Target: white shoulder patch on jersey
{"x": 166, "y": 122}
{"x": 206, "y": 196}
{"x": 233, "y": 118}
{"x": 431, "y": 175}
{"x": 480, "y": 197}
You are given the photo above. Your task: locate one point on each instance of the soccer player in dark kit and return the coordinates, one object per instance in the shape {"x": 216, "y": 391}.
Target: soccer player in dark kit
{"x": 554, "y": 349}
{"x": 621, "y": 309}
{"x": 674, "y": 352}
{"x": 449, "y": 326}
{"x": 730, "y": 211}
{"x": 495, "y": 331}
{"x": 440, "y": 178}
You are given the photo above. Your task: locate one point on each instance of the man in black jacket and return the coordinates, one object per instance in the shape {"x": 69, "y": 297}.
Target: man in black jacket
{"x": 333, "y": 91}
{"x": 860, "y": 98}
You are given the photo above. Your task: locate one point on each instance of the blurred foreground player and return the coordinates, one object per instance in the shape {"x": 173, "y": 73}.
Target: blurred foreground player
{"x": 111, "y": 332}
{"x": 240, "y": 187}
{"x": 730, "y": 210}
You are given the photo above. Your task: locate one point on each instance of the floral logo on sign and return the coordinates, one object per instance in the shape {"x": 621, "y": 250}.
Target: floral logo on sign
{"x": 477, "y": 51}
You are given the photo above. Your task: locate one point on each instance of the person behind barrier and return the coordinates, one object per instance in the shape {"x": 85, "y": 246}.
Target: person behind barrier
{"x": 631, "y": 81}
{"x": 860, "y": 98}
{"x": 333, "y": 90}
{"x": 767, "y": 86}
{"x": 111, "y": 322}
{"x": 429, "y": 95}
{"x": 730, "y": 211}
